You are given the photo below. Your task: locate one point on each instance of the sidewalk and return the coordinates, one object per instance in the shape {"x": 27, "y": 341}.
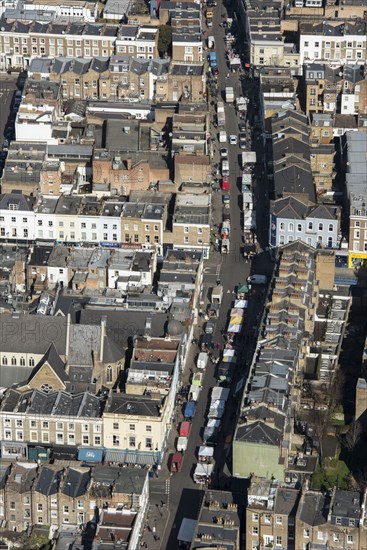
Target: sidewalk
{"x": 154, "y": 528}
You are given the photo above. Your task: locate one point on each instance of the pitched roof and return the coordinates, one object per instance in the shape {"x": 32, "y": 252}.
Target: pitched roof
{"x": 52, "y": 358}
{"x": 259, "y": 432}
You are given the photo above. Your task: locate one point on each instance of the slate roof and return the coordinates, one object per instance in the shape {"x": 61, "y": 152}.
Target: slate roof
{"x": 313, "y": 508}
{"x": 76, "y": 482}
{"x": 129, "y": 405}
{"x": 24, "y": 202}
{"x": 52, "y": 404}
{"x": 48, "y": 481}
{"x": 258, "y": 432}
{"x": 286, "y": 501}
{"x": 122, "y": 325}
{"x": 289, "y": 207}
{"x": 32, "y": 334}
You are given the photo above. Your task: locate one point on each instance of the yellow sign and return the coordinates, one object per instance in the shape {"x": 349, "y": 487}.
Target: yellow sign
{"x": 357, "y": 259}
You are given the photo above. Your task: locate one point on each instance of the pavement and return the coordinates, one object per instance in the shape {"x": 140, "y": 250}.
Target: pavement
{"x": 176, "y": 496}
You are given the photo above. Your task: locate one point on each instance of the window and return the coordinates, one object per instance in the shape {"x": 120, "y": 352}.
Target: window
{"x": 321, "y": 226}
{"x": 255, "y": 530}
{"x": 279, "y": 520}
{"x": 132, "y": 427}
{"x": 299, "y": 227}
{"x": 350, "y": 539}
{"x": 147, "y": 227}
{"x": 45, "y": 425}
{"x": 97, "y": 439}
{"x": 148, "y": 428}
{"x": 31, "y": 362}
{"x": 331, "y": 227}
{"x": 336, "y": 537}
{"x": 109, "y": 374}
{"x": 12, "y": 505}
{"x": 338, "y": 521}
{"x": 39, "y": 507}
{"x": 278, "y": 540}
{"x": 13, "y": 360}
{"x": 115, "y": 425}
{"x": 115, "y": 440}
{"x": 281, "y": 225}
{"x": 267, "y": 519}
{"x": 148, "y": 442}
{"x": 351, "y": 523}
{"x": 71, "y": 439}
{"x": 306, "y": 533}
{"x": 132, "y": 441}
{"x": 255, "y": 517}
{"x": 5, "y": 360}
{"x": 65, "y": 509}
{"x": 291, "y": 227}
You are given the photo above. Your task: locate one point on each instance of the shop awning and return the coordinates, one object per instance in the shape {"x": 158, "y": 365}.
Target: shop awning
{"x": 127, "y": 457}
{"x": 61, "y": 452}
{"x": 88, "y": 454}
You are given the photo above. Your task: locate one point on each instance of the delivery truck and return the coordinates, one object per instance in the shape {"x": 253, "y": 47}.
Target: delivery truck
{"x": 229, "y": 94}
{"x": 257, "y": 279}
{"x": 176, "y": 462}
{"x": 185, "y": 428}
{"x": 224, "y": 247}
{"x": 217, "y": 294}
{"x": 202, "y": 360}
{"x": 213, "y": 60}
{"x": 211, "y": 42}
{"x": 220, "y": 114}
{"x": 226, "y": 230}
{"x": 189, "y": 410}
{"x": 182, "y": 444}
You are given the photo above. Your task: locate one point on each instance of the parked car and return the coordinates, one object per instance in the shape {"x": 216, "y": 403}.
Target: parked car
{"x": 225, "y": 183}
{"x": 233, "y": 139}
{"x": 223, "y": 152}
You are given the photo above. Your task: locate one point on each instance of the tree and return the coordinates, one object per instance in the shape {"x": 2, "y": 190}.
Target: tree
{"x": 164, "y": 39}
{"x": 353, "y": 435}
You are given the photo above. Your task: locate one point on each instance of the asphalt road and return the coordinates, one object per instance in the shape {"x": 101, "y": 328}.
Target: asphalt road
{"x": 185, "y": 497}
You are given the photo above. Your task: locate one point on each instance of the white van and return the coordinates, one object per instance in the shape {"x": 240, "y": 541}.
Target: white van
{"x": 257, "y": 279}
{"x": 225, "y": 168}
{"x": 202, "y": 360}
{"x": 222, "y": 136}
{"x": 211, "y": 42}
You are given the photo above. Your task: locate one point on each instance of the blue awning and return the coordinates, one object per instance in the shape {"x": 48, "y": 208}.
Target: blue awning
{"x": 88, "y": 454}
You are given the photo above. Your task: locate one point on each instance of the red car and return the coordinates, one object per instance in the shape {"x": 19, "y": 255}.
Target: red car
{"x": 225, "y": 183}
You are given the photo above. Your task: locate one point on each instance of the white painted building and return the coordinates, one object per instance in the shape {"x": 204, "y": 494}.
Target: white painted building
{"x": 292, "y": 220}
{"x": 341, "y": 44}
{"x": 16, "y": 217}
